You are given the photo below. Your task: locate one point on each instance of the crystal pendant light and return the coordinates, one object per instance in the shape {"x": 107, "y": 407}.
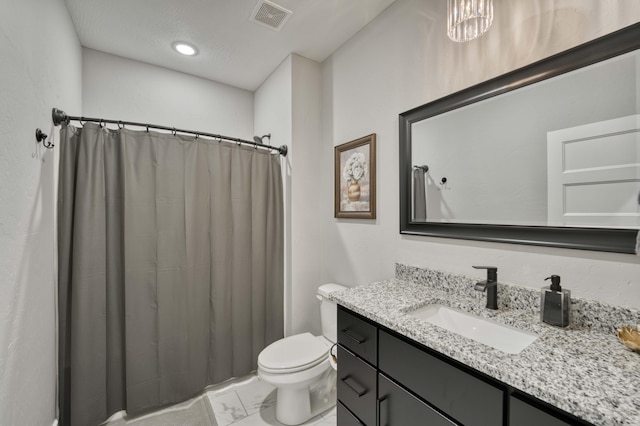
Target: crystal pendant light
{"x": 468, "y": 19}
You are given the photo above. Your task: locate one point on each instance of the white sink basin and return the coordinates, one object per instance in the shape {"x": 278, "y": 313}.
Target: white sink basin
{"x": 491, "y": 333}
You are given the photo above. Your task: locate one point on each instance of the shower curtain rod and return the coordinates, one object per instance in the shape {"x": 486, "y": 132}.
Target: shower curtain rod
{"x": 60, "y": 117}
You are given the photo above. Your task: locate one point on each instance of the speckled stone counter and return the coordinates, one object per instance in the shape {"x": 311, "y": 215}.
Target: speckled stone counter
{"x": 582, "y": 369}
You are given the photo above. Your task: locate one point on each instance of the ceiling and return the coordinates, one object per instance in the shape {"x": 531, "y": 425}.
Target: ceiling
{"x": 232, "y": 49}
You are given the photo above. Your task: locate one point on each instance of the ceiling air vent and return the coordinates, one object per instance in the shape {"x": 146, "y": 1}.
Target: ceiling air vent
{"x": 270, "y": 15}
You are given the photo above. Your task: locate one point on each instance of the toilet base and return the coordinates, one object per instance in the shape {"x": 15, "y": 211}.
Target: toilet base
{"x": 295, "y": 404}
{"x": 297, "y": 408}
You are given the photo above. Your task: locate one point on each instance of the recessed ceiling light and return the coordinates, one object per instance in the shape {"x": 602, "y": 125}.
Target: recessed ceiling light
{"x": 185, "y": 48}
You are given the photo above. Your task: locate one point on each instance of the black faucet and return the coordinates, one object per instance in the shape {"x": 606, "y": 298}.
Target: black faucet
{"x": 490, "y": 286}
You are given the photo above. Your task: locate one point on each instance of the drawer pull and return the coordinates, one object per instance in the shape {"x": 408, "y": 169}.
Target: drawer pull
{"x": 354, "y": 336}
{"x": 354, "y": 386}
{"x": 382, "y": 411}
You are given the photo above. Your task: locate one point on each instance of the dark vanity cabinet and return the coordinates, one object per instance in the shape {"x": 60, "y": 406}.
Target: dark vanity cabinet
{"x": 388, "y": 380}
{"x": 458, "y": 394}
{"x": 523, "y": 413}
{"x": 398, "y": 406}
{"x": 357, "y": 377}
{"x": 357, "y": 386}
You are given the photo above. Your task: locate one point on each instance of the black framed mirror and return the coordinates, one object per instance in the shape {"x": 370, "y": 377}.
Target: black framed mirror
{"x": 571, "y": 190}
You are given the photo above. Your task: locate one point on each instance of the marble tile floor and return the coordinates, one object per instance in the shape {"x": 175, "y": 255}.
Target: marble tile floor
{"x": 247, "y": 401}
{"x": 252, "y": 402}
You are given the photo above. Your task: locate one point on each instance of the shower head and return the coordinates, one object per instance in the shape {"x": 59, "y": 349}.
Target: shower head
{"x": 258, "y": 139}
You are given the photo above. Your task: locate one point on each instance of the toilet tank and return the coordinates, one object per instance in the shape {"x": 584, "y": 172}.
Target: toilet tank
{"x": 329, "y": 311}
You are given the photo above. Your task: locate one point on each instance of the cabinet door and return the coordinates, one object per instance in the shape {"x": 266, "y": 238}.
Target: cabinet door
{"x": 357, "y": 386}
{"x": 462, "y": 396}
{"x": 358, "y": 335}
{"x": 522, "y": 413}
{"x": 397, "y": 407}
{"x": 345, "y": 417}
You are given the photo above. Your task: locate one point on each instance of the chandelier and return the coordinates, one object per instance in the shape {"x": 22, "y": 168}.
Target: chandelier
{"x": 468, "y": 19}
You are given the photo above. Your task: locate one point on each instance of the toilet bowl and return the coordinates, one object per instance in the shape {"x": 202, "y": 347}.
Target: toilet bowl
{"x": 299, "y": 367}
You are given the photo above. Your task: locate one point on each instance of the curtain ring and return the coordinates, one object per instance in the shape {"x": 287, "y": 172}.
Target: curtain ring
{"x": 81, "y": 123}
{"x": 174, "y": 131}
{"x": 147, "y": 128}
{"x": 102, "y": 124}
{"x": 120, "y": 125}
{"x": 197, "y": 135}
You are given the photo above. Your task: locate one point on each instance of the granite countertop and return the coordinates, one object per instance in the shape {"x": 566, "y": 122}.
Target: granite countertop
{"x": 582, "y": 369}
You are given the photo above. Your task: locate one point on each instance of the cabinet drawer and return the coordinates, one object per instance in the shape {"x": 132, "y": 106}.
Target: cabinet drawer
{"x": 398, "y": 407}
{"x": 467, "y": 399}
{"x": 357, "y": 386}
{"x": 345, "y": 418}
{"x": 522, "y": 413}
{"x": 357, "y": 335}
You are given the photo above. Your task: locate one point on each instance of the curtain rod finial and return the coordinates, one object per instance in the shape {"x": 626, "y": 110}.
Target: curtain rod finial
{"x": 58, "y": 116}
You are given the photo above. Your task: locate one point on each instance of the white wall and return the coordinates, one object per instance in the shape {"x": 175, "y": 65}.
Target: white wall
{"x": 122, "y": 89}
{"x": 404, "y": 59}
{"x": 41, "y": 69}
{"x": 272, "y": 114}
{"x": 288, "y": 105}
{"x": 306, "y": 235}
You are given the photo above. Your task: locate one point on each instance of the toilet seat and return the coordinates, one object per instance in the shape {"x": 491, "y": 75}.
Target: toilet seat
{"x": 293, "y": 353}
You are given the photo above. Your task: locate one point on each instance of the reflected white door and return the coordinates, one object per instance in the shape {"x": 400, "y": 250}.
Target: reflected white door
{"x": 593, "y": 174}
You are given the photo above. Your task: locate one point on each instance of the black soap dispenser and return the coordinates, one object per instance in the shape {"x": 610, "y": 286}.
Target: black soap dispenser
{"x": 555, "y": 303}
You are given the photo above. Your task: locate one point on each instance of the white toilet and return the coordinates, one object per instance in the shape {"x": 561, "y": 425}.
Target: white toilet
{"x": 299, "y": 367}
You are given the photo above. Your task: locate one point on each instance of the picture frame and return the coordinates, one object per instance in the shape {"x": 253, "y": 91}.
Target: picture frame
{"x": 355, "y": 178}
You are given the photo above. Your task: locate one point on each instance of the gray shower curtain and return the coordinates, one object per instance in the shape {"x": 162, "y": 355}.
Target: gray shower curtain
{"x": 170, "y": 267}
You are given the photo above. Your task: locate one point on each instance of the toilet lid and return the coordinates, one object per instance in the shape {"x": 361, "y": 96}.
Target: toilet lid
{"x": 293, "y": 353}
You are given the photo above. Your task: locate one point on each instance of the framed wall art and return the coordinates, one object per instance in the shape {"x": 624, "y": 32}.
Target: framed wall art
{"x": 355, "y": 179}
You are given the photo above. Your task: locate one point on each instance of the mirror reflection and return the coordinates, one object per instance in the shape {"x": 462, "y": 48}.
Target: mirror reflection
{"x": 562, "y": 152}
